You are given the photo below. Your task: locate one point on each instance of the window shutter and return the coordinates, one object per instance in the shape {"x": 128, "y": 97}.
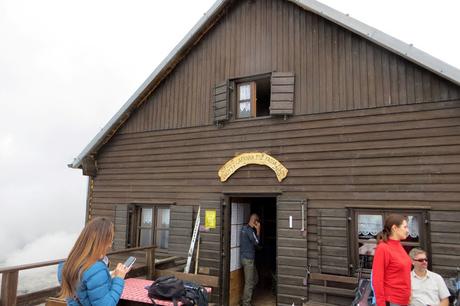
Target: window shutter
{"x": 120, "y": 226}
{"x": 221, "y": 99}
{"x": 282, "y": 93}
{"x": 181, "y": 226}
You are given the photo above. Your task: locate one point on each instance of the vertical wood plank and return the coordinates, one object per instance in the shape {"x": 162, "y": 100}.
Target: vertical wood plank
{"x": 394, "y": 80}
{"x": 341, "y": 51}
{"x": 196, "y": 86}
{"x": 161, "y": 114}
{"x": 378, "y": 77}
{"x": 371, "y": 77}
{"x": 410, "y": 84}
{"x": 443, "y": 89}
{"x": 150, "y": 260}
{"x": 386, "y": 78}
{"x": 348, "y": 76}
{"x": 426, "y": 79}
{"x": 290, "y": 35}
{"x": 402, "y": 81}
{"x": 316, "y": 64}
{"x": 454, "y": 92}
{"x": 337, "y": 87}
{"x": 364, "y": 101}
{"x": 297, "y": 61}
{"x": 418, "y": 84}
{"x": 328, "y": 59}
{"x": 356, "y": 69}
{"x": 258, "y": 33}
{"x": 9, "y": 288}
{"x": 322, "y": 67}
{"x": 301, "y": 91}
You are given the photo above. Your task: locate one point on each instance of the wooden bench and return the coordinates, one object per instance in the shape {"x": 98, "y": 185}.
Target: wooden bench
{"x": 325, "y": 289}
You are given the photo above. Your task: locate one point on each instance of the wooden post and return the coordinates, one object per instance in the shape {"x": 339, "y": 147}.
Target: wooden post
{"x": 9, "y": 288}
{"x": 150, "y": 258}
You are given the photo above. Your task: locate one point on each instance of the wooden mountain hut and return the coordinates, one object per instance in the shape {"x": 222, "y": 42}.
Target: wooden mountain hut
{"x": 317, "y": 122}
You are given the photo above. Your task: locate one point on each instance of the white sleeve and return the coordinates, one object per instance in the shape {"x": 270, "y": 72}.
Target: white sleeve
{"x": 442, "y": 288}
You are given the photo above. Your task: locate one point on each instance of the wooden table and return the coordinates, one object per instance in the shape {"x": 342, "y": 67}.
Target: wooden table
{"x": 135, "y": 294}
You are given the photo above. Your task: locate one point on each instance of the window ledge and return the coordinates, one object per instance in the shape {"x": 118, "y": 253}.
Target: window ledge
{"x": 390, "y": 206}
{"x": 252, "y": 118}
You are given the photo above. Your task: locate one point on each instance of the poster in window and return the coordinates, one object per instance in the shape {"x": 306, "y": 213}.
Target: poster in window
{"x": 210, "y": 218}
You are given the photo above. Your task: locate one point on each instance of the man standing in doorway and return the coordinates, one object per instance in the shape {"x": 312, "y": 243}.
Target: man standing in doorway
{"x": 428, "y": 288}
{"x": 249, "y": 240}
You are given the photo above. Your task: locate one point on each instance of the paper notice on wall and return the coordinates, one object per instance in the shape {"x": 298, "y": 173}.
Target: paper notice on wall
{"x": 210, "y": 218}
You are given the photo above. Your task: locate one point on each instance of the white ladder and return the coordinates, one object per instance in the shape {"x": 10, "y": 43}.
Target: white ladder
{"x": 192, "y": 243}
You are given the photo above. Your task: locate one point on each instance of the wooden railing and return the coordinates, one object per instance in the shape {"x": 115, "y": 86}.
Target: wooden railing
{"x": 9, "y": 286}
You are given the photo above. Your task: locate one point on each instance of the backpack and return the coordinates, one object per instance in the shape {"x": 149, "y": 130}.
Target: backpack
{"x": 195, "y": 295}
{"x": 453, "y": 285}
{"x": 167, "y": 288}
{"x": 363, "y": 293}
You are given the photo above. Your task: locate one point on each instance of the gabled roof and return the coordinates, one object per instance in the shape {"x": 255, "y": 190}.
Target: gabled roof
{"x": 388, "y": 42}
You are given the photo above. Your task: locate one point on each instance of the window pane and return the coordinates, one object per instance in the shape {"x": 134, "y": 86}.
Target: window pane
{"x": 146, "y": 216}
{"x": 163, "y": 218}
{"x": 245, "y": 92}
{"x": 245, "y": 109}
{"x": 145, "y": 237}
{"x": 414, "y": 232}
{"x": 369, "y": 226}
{"x": 162, "y": 238}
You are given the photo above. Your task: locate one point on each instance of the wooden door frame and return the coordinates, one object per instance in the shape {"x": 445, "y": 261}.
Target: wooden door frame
{"x": 226, "y": 225}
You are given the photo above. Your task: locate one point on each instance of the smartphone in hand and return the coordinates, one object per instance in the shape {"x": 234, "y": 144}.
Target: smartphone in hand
{"x": 129, "y": 262}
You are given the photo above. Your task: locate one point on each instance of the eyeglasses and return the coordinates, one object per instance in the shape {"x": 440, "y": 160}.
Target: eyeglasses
{"x": 421, "y": 259}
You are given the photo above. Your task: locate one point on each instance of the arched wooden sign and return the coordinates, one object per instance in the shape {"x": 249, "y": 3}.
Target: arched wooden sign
{"x": 245, "y": 159}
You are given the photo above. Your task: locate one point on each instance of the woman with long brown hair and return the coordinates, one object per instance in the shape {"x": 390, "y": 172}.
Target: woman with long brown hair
{"x": 85, "y": 279}
{"x": 392, "y": 266}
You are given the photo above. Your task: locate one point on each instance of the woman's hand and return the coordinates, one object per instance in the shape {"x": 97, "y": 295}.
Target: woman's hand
{"x": 120, "y": 271}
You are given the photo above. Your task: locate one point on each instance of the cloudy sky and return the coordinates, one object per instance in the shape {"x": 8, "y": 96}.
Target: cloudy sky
{"x": 67, "y": 66}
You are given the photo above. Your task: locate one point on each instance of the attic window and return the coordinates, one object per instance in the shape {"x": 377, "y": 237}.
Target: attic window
{"x": 269, "y": 94}
{"x": 253, "y": 98}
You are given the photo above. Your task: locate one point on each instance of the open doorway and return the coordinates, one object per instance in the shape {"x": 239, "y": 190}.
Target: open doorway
{"x": 265, "y": 290}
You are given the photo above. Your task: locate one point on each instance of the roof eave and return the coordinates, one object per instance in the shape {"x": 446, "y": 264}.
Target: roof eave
{"x": 386, "y": 41}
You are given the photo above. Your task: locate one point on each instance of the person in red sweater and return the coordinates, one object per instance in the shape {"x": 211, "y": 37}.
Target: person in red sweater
{"x": 392, "y": 266}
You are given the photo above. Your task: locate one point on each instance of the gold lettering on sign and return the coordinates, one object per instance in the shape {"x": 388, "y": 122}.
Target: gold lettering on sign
{"x": 245, "y": 159}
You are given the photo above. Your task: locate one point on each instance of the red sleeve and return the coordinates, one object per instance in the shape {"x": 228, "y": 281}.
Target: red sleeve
{"x": 378, "y": 273}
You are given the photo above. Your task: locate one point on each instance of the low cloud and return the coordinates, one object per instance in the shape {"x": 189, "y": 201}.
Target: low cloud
{"x": 45, "y": 248}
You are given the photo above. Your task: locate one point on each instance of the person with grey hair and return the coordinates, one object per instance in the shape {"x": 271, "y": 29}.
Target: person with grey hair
{"x": 428, "y": 288}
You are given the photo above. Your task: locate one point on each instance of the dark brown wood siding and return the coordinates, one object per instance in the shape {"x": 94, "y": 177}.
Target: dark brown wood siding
{"x": 335, "y": 69}
{"x": 291, "y": 251}
{"x": 400, "y": 155}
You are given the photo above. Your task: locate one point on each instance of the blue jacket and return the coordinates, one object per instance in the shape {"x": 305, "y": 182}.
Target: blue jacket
{"x": 248, "y": 241}
{"x": 97, "y": 287}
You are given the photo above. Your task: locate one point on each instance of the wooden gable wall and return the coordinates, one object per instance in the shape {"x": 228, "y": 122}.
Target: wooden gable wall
{"x": 335, "y": 69}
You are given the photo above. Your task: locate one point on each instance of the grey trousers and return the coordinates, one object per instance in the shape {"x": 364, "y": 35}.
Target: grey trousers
{"x": 251, "y": 278}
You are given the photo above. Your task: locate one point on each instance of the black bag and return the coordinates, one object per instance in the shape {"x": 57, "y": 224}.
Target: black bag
{"x": 195, "y": 295}
{"x": 167, "y": 288}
